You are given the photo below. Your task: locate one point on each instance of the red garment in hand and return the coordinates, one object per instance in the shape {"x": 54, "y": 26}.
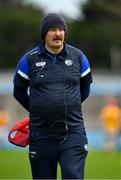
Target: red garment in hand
{"x": 19, "y": 133}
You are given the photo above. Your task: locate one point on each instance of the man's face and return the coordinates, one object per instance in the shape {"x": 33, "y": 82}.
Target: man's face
{"x": 54, "y": 38}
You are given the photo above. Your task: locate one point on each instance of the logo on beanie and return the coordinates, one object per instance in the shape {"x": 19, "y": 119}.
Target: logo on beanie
{"x": 68, "y": 62}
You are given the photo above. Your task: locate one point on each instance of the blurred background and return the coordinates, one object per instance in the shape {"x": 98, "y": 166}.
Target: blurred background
{"x": 94, "y": 27}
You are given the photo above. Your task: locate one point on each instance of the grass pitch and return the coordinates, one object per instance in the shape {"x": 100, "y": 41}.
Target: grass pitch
{"x": 14, "y": 164}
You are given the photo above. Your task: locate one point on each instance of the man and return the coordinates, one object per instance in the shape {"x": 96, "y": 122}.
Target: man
{"x": 58, "y": 77}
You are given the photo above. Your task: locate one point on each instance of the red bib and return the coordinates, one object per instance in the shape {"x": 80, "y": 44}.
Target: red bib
{"x": 19, "y": 133}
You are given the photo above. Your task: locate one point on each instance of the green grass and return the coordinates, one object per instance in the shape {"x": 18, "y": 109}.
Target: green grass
{"x": 103, "y": 165}
{"x": 99, "y": 165}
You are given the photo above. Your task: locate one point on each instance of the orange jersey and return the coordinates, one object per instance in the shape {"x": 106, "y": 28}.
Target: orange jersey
{"x": 4, "y": 118}
{"x": 111, "y": 116}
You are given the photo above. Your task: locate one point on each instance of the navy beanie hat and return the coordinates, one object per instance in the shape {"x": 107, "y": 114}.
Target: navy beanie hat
{"x": 51, "y": 20}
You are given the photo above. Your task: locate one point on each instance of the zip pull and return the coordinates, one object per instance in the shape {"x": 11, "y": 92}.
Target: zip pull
{"x": 67, "y": 127}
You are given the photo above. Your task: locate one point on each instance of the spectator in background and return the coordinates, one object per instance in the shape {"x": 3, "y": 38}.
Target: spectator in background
{"x": 119, "y": 135}
{"x": 111, "y": 115}
{"x": 4, "y": 120}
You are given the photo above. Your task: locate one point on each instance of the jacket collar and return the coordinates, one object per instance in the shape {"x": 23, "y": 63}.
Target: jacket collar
{"x": 42, "y": 50}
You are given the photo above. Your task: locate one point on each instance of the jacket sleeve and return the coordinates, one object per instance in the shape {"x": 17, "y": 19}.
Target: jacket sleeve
{"x": 85, "y": 79}
{"x": 85, "y": 91}
{"x": 21, "y": 95}
{"x": 21, "y": 83}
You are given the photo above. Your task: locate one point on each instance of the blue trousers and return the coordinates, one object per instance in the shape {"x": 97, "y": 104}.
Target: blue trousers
{"x": 45, "y": 152}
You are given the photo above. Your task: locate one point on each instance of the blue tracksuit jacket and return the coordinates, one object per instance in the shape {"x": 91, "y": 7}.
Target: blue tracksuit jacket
{"x": 54, "y": 83}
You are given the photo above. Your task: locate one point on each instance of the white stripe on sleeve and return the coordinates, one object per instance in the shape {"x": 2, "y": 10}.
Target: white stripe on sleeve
{"x": 23, "y": 74}
{"x": 85, "y": 72}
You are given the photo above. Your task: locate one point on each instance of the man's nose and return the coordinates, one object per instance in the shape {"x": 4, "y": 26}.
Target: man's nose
{"x": 57, "y": 32}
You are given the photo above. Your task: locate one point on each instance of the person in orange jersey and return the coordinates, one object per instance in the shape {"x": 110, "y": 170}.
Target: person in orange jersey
{"x": 4, "y": 120}
{"x": 111, "y": 115}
